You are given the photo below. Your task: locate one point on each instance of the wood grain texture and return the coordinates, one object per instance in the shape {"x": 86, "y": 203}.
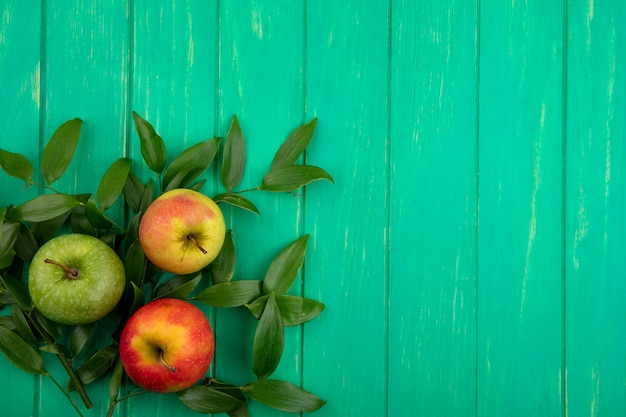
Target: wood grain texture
{"x": 520, "y": 277}
{"x": 433, "y": 217}
{"x": 595, "y": 221}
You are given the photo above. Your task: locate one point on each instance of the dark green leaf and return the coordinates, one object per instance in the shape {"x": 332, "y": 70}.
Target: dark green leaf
{"x": 283, "y": 395}
{"x": 112, "y": 183}
{"x": 269, "y": 340}
{"x": 223, "y": 267}
{"x": 208, "y": 400}
{"x": 55, "y": 349}
{"x": 241, "y": 411}
{"x": 179, "y": 286}
{"x": 19, "y": 292}
{"x": 58, "y": 153}
{"x": 96, "y": 366}
{"x": 236, "y": 200}
{"x": 133, "y": 191}
{"x": 234, "y": 156}
{"x": 44, "y": 231}
{"x": 20, "y": 353}
{"x": 44, "y": 207}
{"x": 296, "y": 143}
{"x": 292, "y": 177}
{"x": 79, "y": 339}
{"x": 26, "y": 245}
{"x": 197, "y": 186}
{"x": 284, "y": 268}
{"x": 134, "y": 262}
{"x": 147, "y": 198}
{"x": 16, "y": 165}
{"x": 21, "y": 324}
{"x": 187, "y": 166}
{"x": 151, "y": 145}
{"x": 137, "y": 299}
{"x": 95, "y": 216}
{"x": 10, "y": 231}
{"x": 294, "y": 310}
{"x": 7, "y": 322}
{"x": 80, "y": 222}
{"x": 6, "y": 261}
{"x": 230, "y": 294}
{"x": 116, "y": 379}
{"x": 53, "y": 328}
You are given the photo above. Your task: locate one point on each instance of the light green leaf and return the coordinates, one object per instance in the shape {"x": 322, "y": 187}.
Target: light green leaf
{"x": 116, "y": 379}
{"x": 283, "y": 270}
{"x": 189, "y": 164}
{"x": 223, "y": 267}
{"x": 292, "y": 177}
{"x": 44, "y": 207}
{"x": 230, "y": 294}
{"x": 208, "y": 400}
{"x": 234, "y": 156}
{"x": 16, "y": 165}
{"x": 151, "y": 145}
{"x": 80, "y": 337}
{"x": 59, "y": 152}
{"x": 95, "y": 216}
{"x": 236, "y": 200}
{"x": 20, "y": 353}
{"x": 283, "y": 395}
{"x": 112, "y": 183}
{"x": 296, "y": 143}
{"x": 269, "y": 340}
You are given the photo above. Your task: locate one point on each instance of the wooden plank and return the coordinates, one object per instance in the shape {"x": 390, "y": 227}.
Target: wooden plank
{"x": 433, "y": 209}
{"x": 520, "y": 277}
{"x": 345, "y": 350}
{"x": 596, "y": 198}
{"x": 20, "y": 66}
{"x": 261, "y": 70}
{"x": 85, "y": 75}
{"x": 173, "y": 86}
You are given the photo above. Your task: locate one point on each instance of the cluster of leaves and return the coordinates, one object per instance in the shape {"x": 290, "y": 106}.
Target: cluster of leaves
{"x": 26, "y": 336}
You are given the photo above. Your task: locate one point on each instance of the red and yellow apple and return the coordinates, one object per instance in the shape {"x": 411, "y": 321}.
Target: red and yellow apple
{"x": 182, "y": 231}
{"x": 167, "y": 345}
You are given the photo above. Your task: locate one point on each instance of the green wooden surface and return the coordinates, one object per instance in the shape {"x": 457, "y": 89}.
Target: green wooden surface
{"x": 471, "y": 254}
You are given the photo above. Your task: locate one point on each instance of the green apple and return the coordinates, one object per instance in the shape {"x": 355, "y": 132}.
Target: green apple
{"x": 182, "y": 231}
{"x": 167, "y": 345}
{"x": 76, "y": 279}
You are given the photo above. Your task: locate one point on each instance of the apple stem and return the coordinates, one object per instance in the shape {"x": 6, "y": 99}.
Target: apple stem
{"x": 195, "y": 242}
{"x": 164, "y": 362}
{"x": 72, "y": 273}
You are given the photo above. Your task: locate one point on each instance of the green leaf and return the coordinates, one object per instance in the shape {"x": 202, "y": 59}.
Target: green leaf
{"x": 55, "y": 349}
{"x": 44, "y": 231}
{"x": 147, "y": 198}
{"x": 26, "y": 245}
{"x": 21, "y": 324}
{"x": 20, "y": 353}
{"x": 283, "y": 395}
{"x": 95, "y": 216}
{"x": 134, "y": 262}
{"x": 241, "y": 411}
{"x": 179, "y": 286}
{"x": 133, "y": 191}
{"x": 10, "y": 231}
{"x": 294, "y": 310}
{"x": 53, "y": 328}
{"x": 16, "y": 165}
{"x": 296, "y": 143}
{"x": 189, "y": 164}
{"x": 236, "y": 200}
{"x": 80, "y": 222}
{"x": 6, "y": 261}
{"x": 230, "y": 294}
{"x": 234, "y": 156}
{"x": 151, "y": 145}
{"x": 80, "y": 337}
{"x": 292, "y": 177}
{"x": 269, "y": 340}
{"x": 58, "y": 153}
{"x": 284, "y": 268}
{"x": 208, "y": 400}
{"x": 223, "y": 267}
{"x": 96, "y": 366}
{"x": 116, "y": 379}
{"x": 112, "y": 183}
{"x": 44, "y": 207}
{"x": 19, "y": 292}
{"x": 137, "y": 299}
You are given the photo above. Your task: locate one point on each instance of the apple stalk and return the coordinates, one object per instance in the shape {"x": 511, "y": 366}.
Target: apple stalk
{"x": 194, "y": 240}
{"x": 72, "y": 273}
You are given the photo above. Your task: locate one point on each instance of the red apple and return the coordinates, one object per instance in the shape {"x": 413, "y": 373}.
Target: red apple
{"x": 182, "y": 231}
{"x": 167, "y": 345}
